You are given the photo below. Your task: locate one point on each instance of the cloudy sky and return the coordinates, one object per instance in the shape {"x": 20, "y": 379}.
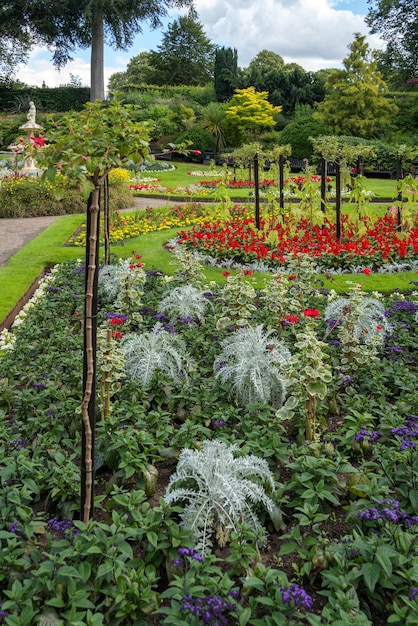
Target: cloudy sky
{"x": 313, "y": 33}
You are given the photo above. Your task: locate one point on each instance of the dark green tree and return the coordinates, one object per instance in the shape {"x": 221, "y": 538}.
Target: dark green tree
{"x": 288, "y": 85}
{"x": 397, "y": 23}
{"x": 64, "y": 25}
{"x": 226, "y": 73}
{"x": 184, "y": 57}
{"x": 15, "y": 42}
{"x": 356, "y": 102}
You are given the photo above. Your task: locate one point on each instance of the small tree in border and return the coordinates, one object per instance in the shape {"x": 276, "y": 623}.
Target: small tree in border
{"x": 86, "y": 146}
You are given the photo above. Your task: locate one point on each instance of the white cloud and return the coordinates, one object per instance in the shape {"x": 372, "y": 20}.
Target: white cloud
{"x": 40, "y": 69}
{"x": 313, "y": 33}
{"x": 310, "y": 32}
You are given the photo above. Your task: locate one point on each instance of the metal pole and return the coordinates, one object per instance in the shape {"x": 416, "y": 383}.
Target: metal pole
{"x": 256, "y": 193}
{"x": 281, "y": 183}
{"x": 324, "y": 168}
{"x": 338, "y": 199}
{"x": 399, "y": 176}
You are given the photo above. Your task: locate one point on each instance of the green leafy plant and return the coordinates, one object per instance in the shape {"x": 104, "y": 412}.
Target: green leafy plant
{"x": 219, "y": 490}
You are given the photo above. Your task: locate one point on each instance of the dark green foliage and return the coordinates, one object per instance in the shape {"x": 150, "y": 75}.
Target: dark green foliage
{"x": 288, "y": 85}
{"x": 225, "y": 73}
{"x": 185, "y": 56}
{"x": 397, "y": 24}
{"x": 297, "y": 134}
{"x": 46, "y": 100}
{"x": 200, "y": 138}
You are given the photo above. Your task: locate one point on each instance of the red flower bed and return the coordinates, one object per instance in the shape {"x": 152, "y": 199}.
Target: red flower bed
{"x": 299, "y": 181}
{"x": 238, "y": 239}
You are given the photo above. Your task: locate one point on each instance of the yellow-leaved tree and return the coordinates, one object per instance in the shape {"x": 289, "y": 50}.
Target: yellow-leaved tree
{"x": 248, "y": 114}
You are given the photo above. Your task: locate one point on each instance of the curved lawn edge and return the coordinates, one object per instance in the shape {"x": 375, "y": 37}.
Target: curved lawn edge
{"x": 47, "y": 249}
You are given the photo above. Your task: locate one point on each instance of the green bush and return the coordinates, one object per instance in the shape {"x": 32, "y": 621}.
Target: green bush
{"x": 297, "y": 134}
{"x": 200, "y": 138}
{"x": 47, "y": 100}
{"x": 33, "y": 197}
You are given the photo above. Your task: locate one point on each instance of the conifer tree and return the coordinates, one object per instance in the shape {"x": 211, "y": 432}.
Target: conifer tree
{"x": 356, "y": 103}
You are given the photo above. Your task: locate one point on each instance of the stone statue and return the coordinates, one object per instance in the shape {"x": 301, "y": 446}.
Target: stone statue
{"x": 31, "y": 123}
{"x": 31, "y": 113}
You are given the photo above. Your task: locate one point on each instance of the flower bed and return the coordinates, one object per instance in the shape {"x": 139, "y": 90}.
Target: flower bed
{"x": 333, "y": 533}
{"x": 124, "y": 227}
{"x": 239, "y": 240}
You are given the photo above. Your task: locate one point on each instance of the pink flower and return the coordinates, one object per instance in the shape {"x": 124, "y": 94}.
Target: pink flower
{"x": 84, "y": 158}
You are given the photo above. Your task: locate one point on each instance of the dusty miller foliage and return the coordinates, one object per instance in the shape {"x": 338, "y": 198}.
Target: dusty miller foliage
{"x": 185, "y": 301}
{"x": 219, "y": 491}
{"x": 147, "y": 354}
{"x": 252, "y": 361}
{"x": 121, "y": 286}
{"x": 357, "y": 317}
{"x": 361, "y": 325}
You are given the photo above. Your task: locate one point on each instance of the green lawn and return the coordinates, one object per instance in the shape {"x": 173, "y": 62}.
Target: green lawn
{"x": 381, "y": 188}
{"x": 48, "y": 249}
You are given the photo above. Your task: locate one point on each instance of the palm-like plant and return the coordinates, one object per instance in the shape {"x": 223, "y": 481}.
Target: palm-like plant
{"x": 213, "y": 120}
{"x": 219, "y": 491}
{"x": 147, "y": 354}
{"x": 252, "y": 361}
{"x": 185, "y": 301}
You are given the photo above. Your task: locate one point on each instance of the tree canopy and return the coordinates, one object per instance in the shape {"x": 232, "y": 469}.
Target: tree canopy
{"x": 184, "y": 57}
{"x": 355, "y": 102}
{"x": 249, "y": 112}
{"x": 64, "y": 25}
{"x": 397, "y": 23}
{"x": 225, "y": 73}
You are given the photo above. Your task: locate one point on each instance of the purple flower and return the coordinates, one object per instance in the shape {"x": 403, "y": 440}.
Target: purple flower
{"x": 210, "y": 609}
{"x": 388, "y": 510}
{"x": 112, "y": 315}
{"x": 191, "y": 553}
{"x": 295, "y": 595}
{"x": 413, "y": 594}
{"x": 366, "y": 434}
{"x": 187, "y": 320}
{"x": 61, "y": 526}
{"x": 219, "y": 423}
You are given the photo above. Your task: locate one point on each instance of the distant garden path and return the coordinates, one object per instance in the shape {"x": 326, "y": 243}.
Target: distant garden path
{"x": 15, "y": 233}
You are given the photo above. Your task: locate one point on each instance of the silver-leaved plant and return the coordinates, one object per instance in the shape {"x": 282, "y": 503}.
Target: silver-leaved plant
{"x": 219, "y": 490}
{"x": 147, "y": 354}
{"x": 252, "y": 361}
{"x": 185, "y": 301}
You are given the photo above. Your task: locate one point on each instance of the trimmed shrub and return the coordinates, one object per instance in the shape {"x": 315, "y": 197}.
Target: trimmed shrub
{"x": 297, "y": 134}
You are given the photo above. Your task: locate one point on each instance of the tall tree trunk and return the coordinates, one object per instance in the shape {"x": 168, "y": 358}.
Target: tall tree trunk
{"x": 88, "y": 405}
{"x": 97, "y": 90}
